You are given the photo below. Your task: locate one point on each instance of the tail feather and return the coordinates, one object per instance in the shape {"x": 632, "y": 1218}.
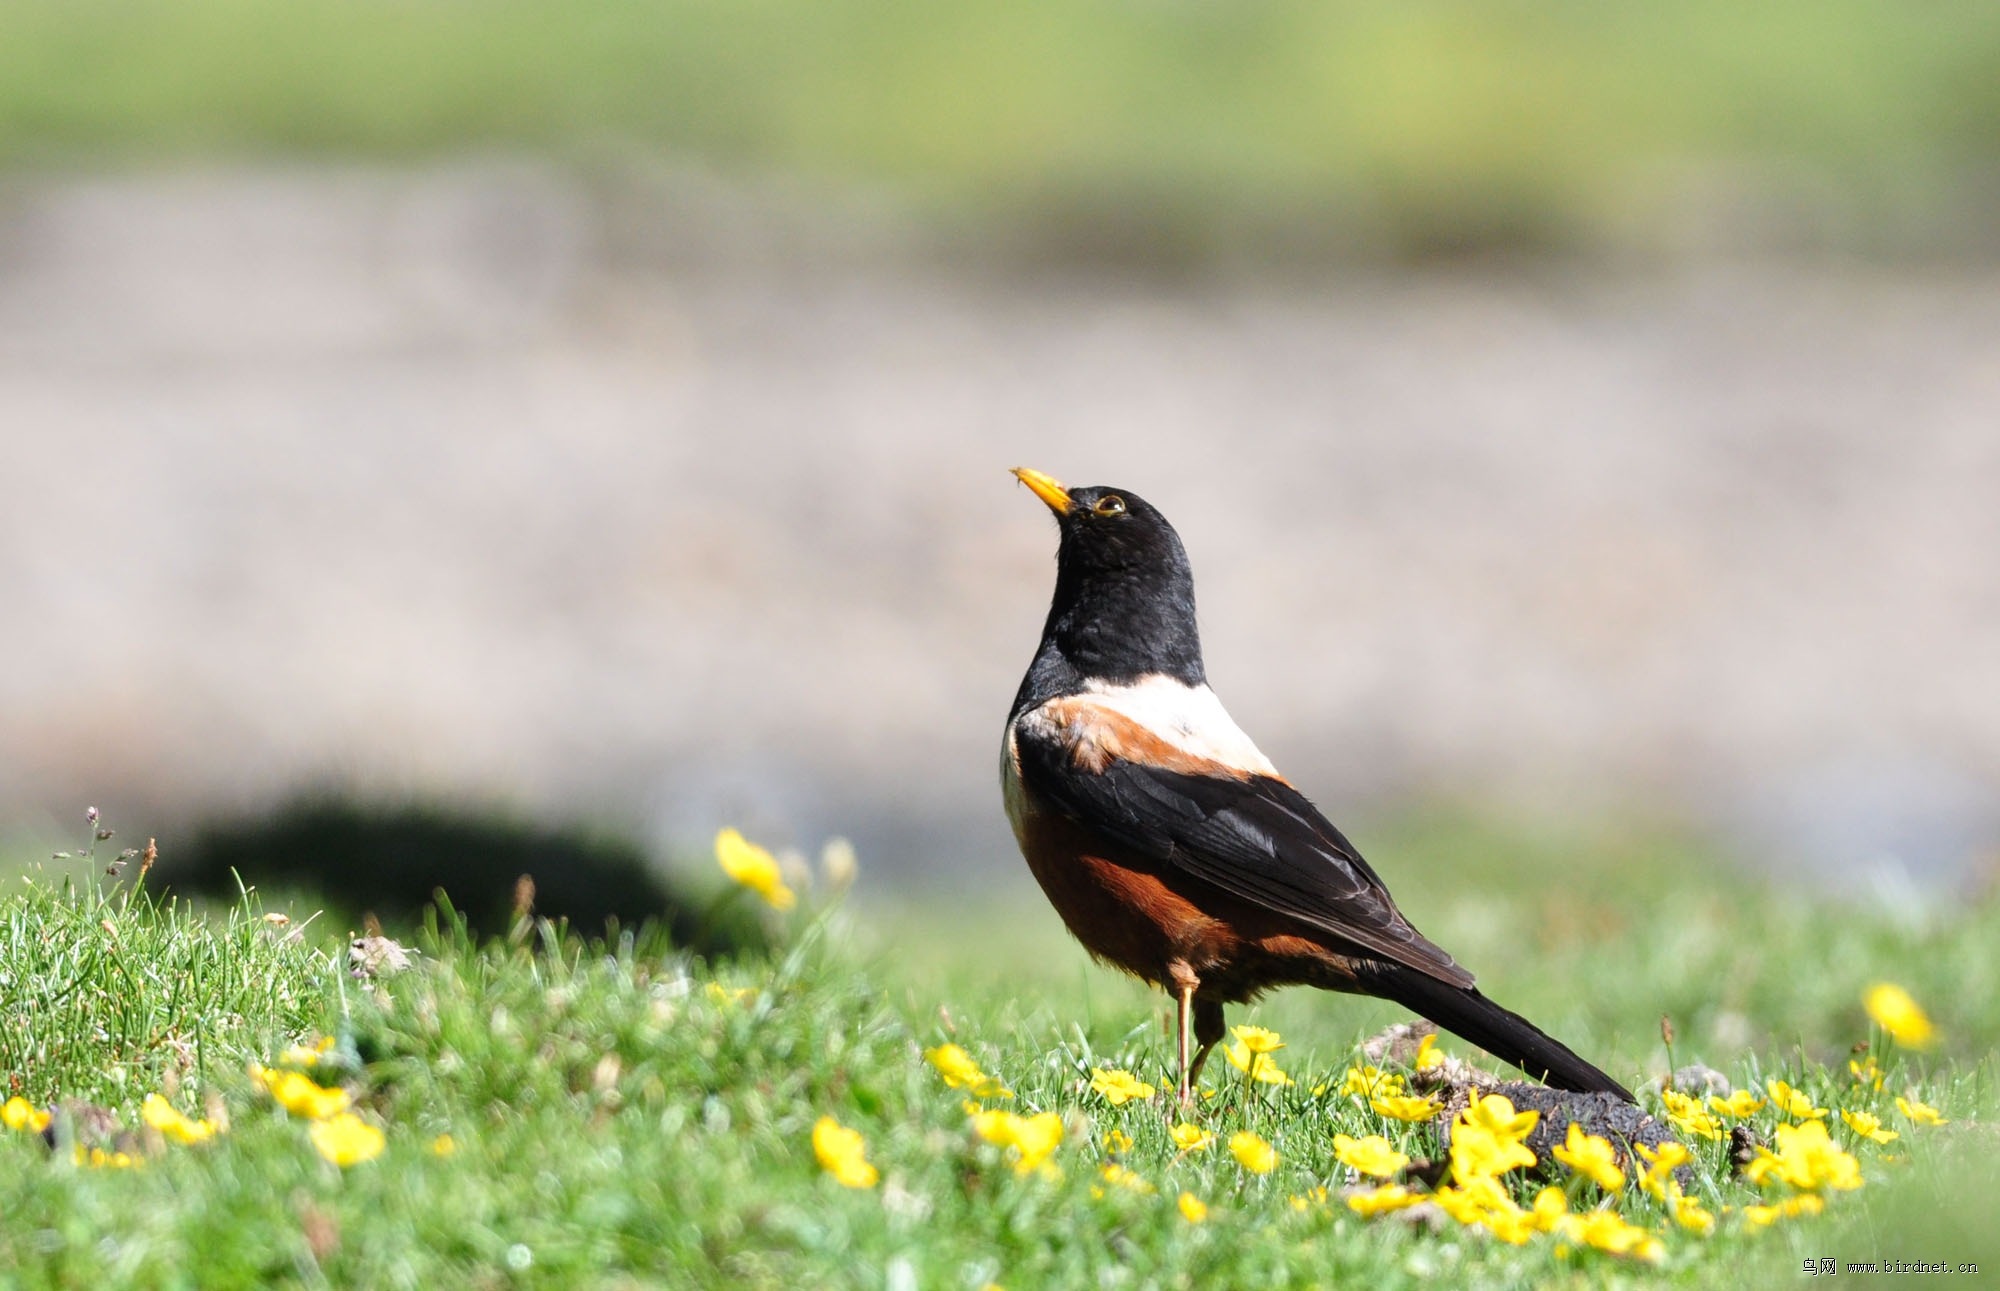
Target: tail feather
{"x": 1466, "y": 1013}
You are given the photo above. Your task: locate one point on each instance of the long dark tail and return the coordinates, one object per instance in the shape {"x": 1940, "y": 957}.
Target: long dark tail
{"x": 1466, "y": 1013}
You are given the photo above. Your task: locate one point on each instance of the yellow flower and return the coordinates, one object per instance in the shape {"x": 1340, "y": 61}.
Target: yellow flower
{"x": 1895, "y": 1012}
{"x": 20, "y": 1114}
{"x": 961, "y": 1072}
{"x": 1191, "y": 1208}
{"x": 1460, "y": 1203}
{"x": 1254, "y": 1064}
{"x": 1405, "y": 1108}
{"x": 164, "y": 1117}
{"x": 1685, "y": 1113}
{"x": 1592, "y": 1157}
{"x": 1790, "y": 1208}
{"x": 98, "y": 1157}
{"x": 1190, "y": 1138}
{"x": 1388, "y": 1197}
{"x": 443, "y": 1145}
{"x": 300, "y": 1055}
{"x": 1792, "y": 1102}
{"x": 1495, "y": 1112}
{"x": 1119, "y": 1087}
{"x": 1371, "y": 1082}
{"x": 955, "y": 1065}
{"x": 1551, "y": 1209}
{"x": 1117, "y": 1142}
{"x": 1869, "y": 1126}
{"x": 1666, "y": 1158}
{"x": 1310, "y": 1198}
{"x": 1738, "y": 1106}
{"x": 1481, "y": 1201}
{"x": 1119, "y": 1176}
{"x": 345, "y": 1139}
{"x": 297, "y": 1094}
{"x": 1032, "y": 1138}
{"x": 1608, "y": 1231}
{"x": 1252, "y": 1152}
{"x": 754, "y": 868}
{"x": 1917, "y": 1113}
{"x": 996, "y": 1127}
{"x": 1257, "y": 1039}
{"x": 1477, "y": 1152}
{"x": 843, "y": 1153}
{"x": 1511, "y": 1224}
{"x": 1806, "y": 1159}
{"x": 1688, "y": 1213}
{"x": 1372, "y": 1155}
{"x": 1427, "y": 1053}
{"x": 1661, "y": 1163}
{"x": 1866, "y": 1074}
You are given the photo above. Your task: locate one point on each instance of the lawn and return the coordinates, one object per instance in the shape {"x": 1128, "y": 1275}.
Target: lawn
{"x": 555, "y": 1110}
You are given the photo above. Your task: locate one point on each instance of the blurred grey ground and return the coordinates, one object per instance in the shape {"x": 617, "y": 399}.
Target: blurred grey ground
{"x": 674, "y": 505}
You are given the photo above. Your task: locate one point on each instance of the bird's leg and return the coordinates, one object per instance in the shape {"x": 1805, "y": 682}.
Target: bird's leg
{"x": 1185, "y": 985}
{"x": 1208, "y": 1029}
{"x": 1182, "y": 1036}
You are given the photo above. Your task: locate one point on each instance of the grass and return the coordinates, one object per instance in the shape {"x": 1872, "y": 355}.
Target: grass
{"x": 621, "y": 1117}
{"x": 1422, "y": 126}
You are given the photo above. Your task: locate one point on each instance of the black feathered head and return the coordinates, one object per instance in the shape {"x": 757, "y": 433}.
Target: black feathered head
{"x": 1124, "y": 600}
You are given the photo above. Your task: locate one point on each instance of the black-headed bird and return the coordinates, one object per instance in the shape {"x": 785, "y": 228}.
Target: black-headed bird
{"x": 1170, "y": 845}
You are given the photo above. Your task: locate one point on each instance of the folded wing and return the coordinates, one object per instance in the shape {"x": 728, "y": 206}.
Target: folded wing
{"x": 1251, "y": 835}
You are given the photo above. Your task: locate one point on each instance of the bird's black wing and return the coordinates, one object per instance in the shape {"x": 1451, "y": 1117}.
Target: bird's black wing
{"x": 1253, "y": 836}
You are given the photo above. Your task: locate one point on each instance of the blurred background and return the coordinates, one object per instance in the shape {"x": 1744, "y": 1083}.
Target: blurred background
{"x": 596, "y": 418}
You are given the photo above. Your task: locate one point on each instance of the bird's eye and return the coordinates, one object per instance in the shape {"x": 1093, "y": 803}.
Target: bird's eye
{"x": 1110, "y": 505}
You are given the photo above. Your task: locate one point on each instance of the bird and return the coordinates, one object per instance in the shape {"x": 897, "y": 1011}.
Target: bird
{"x": 1170, "y": 845}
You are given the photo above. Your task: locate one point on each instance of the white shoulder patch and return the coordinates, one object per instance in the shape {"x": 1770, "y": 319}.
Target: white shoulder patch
{"x": 1188, "y": 718}
{"x": 1191, "y": 717}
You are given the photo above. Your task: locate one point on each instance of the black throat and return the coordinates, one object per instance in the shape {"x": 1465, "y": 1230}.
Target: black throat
{"x": 1123, "y": 609}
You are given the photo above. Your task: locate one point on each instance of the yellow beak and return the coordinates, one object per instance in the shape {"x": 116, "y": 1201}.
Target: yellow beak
{"x": 1045, "y": 488}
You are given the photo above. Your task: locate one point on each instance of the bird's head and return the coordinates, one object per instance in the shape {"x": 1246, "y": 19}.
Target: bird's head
{"x": 1106, "y": 529}
{"x": 1124, "y": 598}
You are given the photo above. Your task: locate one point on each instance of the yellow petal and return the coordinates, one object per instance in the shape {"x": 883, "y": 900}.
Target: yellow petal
{"x": 842, "y": 1153}
{"x": 1258, "y": 1039}
{"x": 1372, "y": 1155}
{"x": 1252, "y": 1152}
{"x": 1119, "y": 1087}
{"x": 346, "y": 1139}
{"x": 1388, "y": 1197}
{"x": 1896, "y": 1012}
{"x": 753, "y": 867}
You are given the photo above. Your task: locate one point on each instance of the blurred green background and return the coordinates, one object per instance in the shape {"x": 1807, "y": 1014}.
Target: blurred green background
{"x": 1576, "y": 412}
{"x": 1104, "y": 127}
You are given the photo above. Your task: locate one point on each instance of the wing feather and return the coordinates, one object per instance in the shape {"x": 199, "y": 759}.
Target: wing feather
{"x": 1253, "y": 836}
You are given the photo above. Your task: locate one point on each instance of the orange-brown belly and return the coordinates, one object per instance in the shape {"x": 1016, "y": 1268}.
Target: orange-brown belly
{"x": 1158, "y": 923}
{"x": 1161, "y": 927}
{"x": 1124, "y": 914}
